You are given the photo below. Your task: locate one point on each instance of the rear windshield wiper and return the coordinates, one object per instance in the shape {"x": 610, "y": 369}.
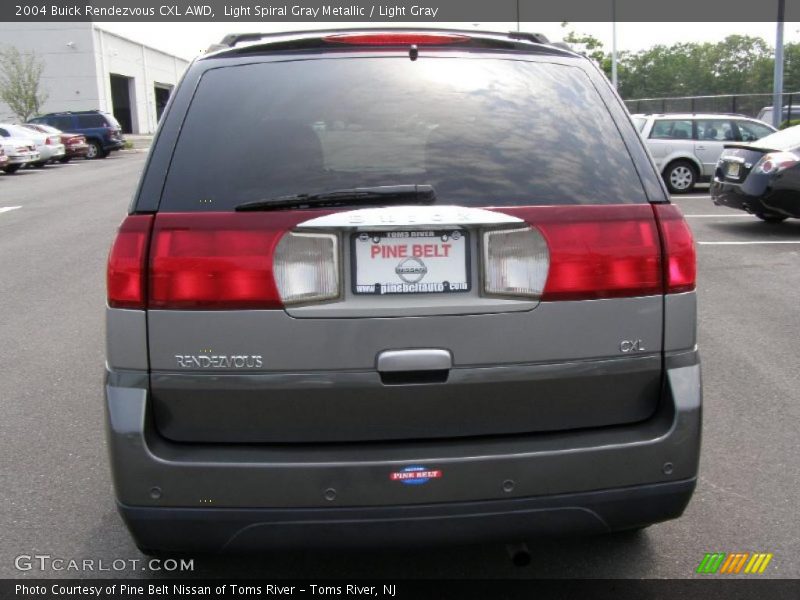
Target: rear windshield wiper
{"x": 384, "y": 194}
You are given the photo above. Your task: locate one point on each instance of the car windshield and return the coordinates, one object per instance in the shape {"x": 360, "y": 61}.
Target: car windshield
{"x": 787, "y": 139}
{"x": 481, "y": 131}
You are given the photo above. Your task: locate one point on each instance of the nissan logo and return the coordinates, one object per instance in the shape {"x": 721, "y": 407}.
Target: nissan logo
{"x": 411, "y": 270}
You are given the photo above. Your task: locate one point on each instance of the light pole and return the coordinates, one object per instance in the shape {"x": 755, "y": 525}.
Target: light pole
{"x": 777, "y": 89}
{"x": 614, "y": 43}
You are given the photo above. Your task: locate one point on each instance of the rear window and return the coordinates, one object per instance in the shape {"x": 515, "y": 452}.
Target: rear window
{"x": 482, "y": 132}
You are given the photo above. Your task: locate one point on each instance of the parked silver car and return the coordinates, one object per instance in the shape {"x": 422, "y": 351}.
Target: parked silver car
{"x": 686, "y": 147}
{"x": 48, "y": 146}
{"x": 19, "y": 151}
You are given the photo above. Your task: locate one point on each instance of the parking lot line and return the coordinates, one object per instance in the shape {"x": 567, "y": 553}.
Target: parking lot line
{"x": 748, "y": 243}
{"x": 8, "y": 208}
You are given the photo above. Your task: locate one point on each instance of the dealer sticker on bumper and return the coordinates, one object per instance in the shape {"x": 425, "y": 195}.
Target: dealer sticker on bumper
{"x": 415, "y": 475}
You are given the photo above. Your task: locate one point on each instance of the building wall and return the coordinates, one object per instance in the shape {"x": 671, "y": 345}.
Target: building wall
{"x": 69, "y": 75}
{"x": 146, "y": 66}
{"x": 79, "y": 60}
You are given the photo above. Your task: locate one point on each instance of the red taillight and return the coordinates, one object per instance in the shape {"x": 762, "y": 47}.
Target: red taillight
{"x": 216, "y": 260}
{"x": 396, "y": 38}
{"x": 127, "y": 263}
{"x": 681, "y": 266}
{"x": 49, "y": 142}
{"x": 596, "y": 252}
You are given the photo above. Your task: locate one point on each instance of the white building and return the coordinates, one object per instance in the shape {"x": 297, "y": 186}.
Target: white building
{"x": 88, "y": 68}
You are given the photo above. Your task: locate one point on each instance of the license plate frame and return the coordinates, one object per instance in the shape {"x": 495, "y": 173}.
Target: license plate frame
{"x": 411, "y": 288}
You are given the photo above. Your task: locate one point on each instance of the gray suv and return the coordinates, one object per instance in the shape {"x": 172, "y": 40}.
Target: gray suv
{"x": 397, "y": 307}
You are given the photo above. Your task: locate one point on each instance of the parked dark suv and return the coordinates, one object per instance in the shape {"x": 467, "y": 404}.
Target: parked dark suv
{"x": 102, "y": 131}
{"x": 405, "y": 305}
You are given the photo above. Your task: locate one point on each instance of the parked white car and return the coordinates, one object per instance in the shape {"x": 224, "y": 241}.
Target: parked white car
{"x": 49, "y": 147}
{"x": 20, "y": 151}
{"x": 686, "y": 147}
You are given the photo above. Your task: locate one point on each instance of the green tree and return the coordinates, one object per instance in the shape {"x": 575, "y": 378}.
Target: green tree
{"x": 20, "y": 82}
{"x": 791, "y": 68}
{"x": 737, "y": 65}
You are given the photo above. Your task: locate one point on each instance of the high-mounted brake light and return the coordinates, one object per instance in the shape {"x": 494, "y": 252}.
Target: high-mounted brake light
{"x": 127, "y": 263}
{"x": 396, "y": 38}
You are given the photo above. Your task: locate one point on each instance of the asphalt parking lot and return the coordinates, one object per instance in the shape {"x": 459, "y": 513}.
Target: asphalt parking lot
{"x": 56, "y": 225}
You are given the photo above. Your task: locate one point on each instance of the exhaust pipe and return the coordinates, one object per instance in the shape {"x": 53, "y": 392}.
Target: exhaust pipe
{"x": 519, "y": 554}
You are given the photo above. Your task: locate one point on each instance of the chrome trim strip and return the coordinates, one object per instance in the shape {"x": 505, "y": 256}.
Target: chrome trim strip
{"x": 410, "y": 216}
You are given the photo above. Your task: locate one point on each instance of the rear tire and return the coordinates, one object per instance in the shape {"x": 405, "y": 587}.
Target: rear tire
{"x": 95, "y": 151}
{"x": 771, "y": 218}
{"x": 11, "y": 169}
{"x": 680, "y": 177}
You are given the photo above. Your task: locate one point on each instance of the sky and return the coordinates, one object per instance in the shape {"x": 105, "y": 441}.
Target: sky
{"x": 187, "y": 40}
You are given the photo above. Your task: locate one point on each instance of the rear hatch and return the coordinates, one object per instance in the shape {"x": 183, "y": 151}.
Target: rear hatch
{"x": 488, "y": 263}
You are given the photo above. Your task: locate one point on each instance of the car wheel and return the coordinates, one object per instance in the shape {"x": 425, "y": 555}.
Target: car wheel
{"x": 95, "y": 151}
{"x": 680, "y": 177}
{"x": 11, "y": 169}
{"x": 767, "y": 218}
{"x": 39, "y": 165}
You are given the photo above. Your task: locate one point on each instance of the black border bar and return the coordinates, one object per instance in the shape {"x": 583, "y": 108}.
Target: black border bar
{"x": 396, "y": 11}
{"x": 711, "y": 587}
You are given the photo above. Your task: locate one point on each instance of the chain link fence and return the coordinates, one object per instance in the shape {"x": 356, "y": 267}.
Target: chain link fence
{"x": 749, "y": 105}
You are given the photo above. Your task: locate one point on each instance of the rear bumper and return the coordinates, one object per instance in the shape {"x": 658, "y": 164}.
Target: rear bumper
{"x": 77, "y": 151}
{"x": 22, "y": 159}
{"x": 54, "y": 152}
{"x": 755, "y": 196}
{"x": 242, "y": 529}
{"x": 210, "y": 496}
{"x": 110, "y": 145}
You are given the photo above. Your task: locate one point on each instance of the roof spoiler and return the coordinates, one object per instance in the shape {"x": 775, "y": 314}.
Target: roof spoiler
{"x": 233, "y": 39}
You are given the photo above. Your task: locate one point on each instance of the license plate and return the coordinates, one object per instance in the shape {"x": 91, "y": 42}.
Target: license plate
{"x": 733, "y": 169}
{"x": 411, "y": 262}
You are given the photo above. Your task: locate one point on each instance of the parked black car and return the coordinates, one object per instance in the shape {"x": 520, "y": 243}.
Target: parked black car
{"x": 102, "y": 131}
{"x": 762, "y": 177}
